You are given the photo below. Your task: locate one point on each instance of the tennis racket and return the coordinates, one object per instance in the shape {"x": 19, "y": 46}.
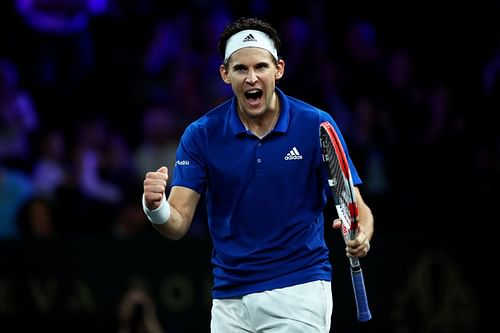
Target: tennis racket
{"x": 340, "y": 182}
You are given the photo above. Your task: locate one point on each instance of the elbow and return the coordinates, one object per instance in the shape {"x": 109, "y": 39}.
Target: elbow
{"x": 174, "y": 234}
{"x": 177, "y": 236}
{"x": 171, "y": 234}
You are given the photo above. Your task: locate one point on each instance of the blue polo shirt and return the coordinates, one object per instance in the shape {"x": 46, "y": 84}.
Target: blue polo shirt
{"x": 264, "y": 197}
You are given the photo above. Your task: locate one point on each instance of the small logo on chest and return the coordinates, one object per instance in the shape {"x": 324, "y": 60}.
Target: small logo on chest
{"x": 293, "y": 155}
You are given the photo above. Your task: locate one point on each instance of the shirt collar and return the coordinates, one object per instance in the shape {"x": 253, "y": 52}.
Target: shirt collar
{"x": 281, "y": 126}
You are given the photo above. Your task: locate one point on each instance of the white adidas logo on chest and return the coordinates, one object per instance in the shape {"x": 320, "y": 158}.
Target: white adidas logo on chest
{"x": 293, "y": 154}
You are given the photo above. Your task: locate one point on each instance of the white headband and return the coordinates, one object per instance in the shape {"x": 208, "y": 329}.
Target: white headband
{"x": 249, "y": 38}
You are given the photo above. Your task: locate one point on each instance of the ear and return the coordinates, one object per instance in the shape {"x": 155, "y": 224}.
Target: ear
{"x": 280, "y": 69}
{"x": 224, "y": 74}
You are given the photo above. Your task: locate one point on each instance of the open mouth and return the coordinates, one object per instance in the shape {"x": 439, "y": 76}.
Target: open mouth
{"x": 254, "y": 94}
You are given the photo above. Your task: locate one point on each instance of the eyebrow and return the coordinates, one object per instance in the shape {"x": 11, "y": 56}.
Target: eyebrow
{"x": 258, "y": 65}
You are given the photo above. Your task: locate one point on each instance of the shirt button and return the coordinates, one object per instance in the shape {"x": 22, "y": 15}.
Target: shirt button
{"x": 259, "y": 160}
{"x": 259, "y": 144}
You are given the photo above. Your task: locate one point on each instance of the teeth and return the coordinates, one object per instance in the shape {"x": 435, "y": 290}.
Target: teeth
{"x": 253, "y": 91}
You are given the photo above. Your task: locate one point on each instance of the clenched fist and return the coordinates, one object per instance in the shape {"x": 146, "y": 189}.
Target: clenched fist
{"x": 155, "y": 184}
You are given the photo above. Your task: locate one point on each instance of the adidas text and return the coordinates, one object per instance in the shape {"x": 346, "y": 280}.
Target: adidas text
{"x": 293, "y": 157}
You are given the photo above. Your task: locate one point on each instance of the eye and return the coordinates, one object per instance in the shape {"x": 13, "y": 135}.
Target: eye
{"x": 262, "y": 66}
{"x": 240, "y": 68}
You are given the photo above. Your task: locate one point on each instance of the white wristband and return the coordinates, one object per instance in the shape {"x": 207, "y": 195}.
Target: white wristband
{"x": 159, "y": 215}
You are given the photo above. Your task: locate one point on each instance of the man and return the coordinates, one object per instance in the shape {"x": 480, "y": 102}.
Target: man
{"x": 257, "y": 159}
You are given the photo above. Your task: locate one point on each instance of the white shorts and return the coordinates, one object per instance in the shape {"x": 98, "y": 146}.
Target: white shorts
{"x": 303, "y": 308}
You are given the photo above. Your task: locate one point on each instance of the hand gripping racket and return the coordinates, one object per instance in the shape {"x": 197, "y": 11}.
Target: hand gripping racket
{"x": 340, "y": 182}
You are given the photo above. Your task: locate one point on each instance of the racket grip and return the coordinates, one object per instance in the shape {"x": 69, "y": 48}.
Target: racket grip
{"x": 358, "y": 283}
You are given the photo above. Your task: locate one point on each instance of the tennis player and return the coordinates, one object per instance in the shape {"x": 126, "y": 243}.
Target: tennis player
{"x": 257, "y": 159}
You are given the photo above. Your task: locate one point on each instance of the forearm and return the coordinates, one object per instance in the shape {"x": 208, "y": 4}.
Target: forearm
{"x": 174, "y": 218}
{"x": 366, "y": 220}
{"x": 176, "y": 226}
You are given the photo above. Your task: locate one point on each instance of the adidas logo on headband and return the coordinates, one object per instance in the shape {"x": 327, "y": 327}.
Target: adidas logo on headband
{"x": 249, "y": 38}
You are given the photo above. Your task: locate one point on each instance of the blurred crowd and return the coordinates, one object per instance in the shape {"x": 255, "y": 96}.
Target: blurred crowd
{"x": 95, "y": 93}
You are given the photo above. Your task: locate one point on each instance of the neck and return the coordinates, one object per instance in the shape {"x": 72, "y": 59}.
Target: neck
{"x": 263, "y": 125}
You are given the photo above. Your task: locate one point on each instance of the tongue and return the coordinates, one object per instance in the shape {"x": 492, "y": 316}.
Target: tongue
{"x": 253, "y": 101}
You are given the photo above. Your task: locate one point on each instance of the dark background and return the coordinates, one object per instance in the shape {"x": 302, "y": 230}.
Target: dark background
{"x": 415, "y": 283}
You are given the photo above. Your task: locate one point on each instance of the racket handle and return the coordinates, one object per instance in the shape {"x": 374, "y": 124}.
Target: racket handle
{"x": 358, "y": 283}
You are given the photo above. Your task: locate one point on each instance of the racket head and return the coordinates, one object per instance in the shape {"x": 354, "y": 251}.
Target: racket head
{"x": 339, "y": 179}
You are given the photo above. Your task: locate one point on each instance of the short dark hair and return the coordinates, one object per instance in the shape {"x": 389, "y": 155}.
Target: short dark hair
{"x": 244, "y": 23}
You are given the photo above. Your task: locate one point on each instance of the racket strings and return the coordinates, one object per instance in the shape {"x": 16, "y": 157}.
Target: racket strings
{"x": 339, "y": 183}
{"x": 340, "y": 186}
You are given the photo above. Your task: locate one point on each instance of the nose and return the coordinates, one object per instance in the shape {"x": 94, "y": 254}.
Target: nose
{"x": 251, "y": 77}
